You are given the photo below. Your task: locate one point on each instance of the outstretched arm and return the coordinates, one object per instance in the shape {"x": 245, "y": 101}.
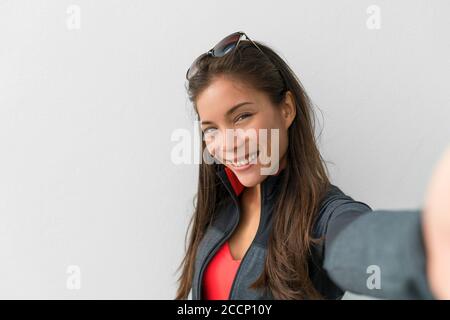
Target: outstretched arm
{"x": 380, "y": 254}
{"x": 397, "y": 254}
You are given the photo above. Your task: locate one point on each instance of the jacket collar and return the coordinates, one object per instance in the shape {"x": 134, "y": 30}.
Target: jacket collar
{"x": 235, "y": 187}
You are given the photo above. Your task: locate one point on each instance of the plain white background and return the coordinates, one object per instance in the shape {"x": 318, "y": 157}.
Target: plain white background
{"x": 86, "y": 116}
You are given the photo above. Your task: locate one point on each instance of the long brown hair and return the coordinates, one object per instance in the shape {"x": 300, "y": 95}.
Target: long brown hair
{"x": 286, "y": 271}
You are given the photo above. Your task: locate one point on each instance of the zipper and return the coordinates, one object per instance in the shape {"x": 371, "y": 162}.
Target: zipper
{"x": 226, "y": 236}
{"x": 221, "y": 242}
{"x": 246, "y": 252}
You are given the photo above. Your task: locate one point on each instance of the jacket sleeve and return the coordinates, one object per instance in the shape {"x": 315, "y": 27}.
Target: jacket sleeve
{"x": 376, "y": 253}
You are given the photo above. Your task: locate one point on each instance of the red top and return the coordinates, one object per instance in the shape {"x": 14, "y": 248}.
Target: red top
{"x": 219, "y": 274}
{"x": 221, "y": 270}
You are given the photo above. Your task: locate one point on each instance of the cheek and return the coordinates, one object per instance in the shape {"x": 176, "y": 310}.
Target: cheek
{"x": 277, "y": 137}
{"x": 272, "y": 145}
{"x": 213, "y": 149}
{"x": 283, "y": 139}
{"x": 277, "y": 142}
{"x": 284, "y": 142}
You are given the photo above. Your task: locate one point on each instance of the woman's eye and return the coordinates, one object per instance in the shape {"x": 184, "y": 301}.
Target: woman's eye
{"x": 242, "y": 117}
{"x": 208, "y": 131}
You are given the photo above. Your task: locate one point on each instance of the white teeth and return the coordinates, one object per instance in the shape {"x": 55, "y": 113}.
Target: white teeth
{"x": 245, "y": 162}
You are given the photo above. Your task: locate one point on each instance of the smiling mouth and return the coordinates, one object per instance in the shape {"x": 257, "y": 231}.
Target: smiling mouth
{"x": 248, "y": 159}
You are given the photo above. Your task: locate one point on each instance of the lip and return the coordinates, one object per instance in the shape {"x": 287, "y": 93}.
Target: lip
{"x": 243, "y": 167}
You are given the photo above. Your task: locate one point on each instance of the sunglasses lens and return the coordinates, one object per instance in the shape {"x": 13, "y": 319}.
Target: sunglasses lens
{"x": 194, "y": 67}
{"x": 226, "y": 45}
{"x": 222, "y": 48}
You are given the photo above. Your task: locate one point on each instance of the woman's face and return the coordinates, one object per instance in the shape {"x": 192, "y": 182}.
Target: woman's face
{"x": 243, "y": 130}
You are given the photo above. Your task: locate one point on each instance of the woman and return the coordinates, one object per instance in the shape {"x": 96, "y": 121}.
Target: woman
{"x": 291, "y": 234}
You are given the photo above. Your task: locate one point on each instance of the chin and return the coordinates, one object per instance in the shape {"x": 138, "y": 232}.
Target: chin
{"x": 249, "y": 177}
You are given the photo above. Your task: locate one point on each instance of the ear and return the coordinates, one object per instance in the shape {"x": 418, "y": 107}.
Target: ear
{"x": 288, "y": 109}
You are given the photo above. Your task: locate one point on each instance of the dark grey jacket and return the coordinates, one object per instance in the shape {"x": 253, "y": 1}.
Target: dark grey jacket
{"x": 359, "y": 244}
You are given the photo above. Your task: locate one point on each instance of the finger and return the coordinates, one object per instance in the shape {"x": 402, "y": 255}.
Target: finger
{"x": 437, "y": 199}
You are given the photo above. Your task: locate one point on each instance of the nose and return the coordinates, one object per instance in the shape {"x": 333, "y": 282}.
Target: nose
{"x": 227, "y": 144}
{"x": 233, "y": 141}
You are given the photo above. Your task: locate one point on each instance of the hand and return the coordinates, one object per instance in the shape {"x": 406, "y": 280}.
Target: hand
{"x": 436, "y": 228}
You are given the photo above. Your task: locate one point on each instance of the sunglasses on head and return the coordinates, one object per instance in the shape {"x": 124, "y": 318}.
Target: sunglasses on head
{"x": 226, "y": 45}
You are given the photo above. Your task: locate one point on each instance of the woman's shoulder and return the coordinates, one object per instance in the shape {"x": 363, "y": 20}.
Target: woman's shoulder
{"x": 336, "y": 203}
{"x": 335, "y": 196}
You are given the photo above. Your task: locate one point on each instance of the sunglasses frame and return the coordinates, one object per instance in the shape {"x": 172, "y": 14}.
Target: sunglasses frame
{"x": 211, "y": 52}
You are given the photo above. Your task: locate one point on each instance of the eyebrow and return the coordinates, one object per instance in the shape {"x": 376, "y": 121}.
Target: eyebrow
{"x": 230, "y": 111}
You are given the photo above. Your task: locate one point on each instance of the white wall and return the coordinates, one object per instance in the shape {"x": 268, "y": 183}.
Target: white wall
{"x": 86, "y": 117}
